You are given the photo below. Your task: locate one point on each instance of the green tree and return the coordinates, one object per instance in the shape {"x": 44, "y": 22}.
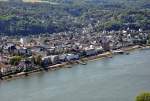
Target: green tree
{"x": 15, "y": 60}
{"x": 143, "y": 97}
{"x": 37, "y": 60}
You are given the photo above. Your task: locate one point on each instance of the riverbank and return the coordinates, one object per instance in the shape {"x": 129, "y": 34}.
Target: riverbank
{"x": 69, "y": 64}
{"x": 101, "y": 80}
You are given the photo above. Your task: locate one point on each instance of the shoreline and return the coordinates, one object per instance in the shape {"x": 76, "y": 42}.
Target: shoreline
{"x": 70, "y": 64}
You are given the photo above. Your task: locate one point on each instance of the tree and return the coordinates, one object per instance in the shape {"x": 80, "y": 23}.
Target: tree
{"x": 143, "y": 97}
{"x": 37, "y": 60}
{"x": 15, "y": 60}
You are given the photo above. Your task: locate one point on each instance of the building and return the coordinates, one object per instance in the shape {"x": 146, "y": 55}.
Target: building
{"x": 72, "y": 57}
{"x": 4, "y": 68}
{"x": 90, "y": 51}
{"x": 50, "y": 60}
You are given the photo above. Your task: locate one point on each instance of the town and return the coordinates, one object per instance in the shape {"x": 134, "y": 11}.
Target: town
{"x": 20, "y": 54}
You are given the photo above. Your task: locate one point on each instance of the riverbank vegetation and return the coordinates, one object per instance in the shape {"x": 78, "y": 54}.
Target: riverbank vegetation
{"x": 143, "y": 97}
{"x": 15, "y": 60}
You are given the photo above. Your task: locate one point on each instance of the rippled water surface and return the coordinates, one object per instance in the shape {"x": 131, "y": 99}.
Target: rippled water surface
{"x": 119, "y": 78}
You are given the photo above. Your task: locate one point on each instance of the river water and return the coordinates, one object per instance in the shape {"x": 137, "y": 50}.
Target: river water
{"x": 119, "y": 78}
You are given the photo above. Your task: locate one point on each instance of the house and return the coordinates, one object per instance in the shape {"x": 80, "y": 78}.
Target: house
{"x": 9, "y": 47}
{"x": 63, "y": 57}
{"x": 99, "y": 49}
{"x": 22, "y": 50}
{"x": 105, "y": 43}
{"x": 70, "y": 57}
{"x": 90, "y": 51}
{"x": 50, "y": 50}
{"x": 25, "y": 51}
{"x": 55, "y": 59}
{"x": 49, "y": 60}
{"x": 4, "y": 68}
{"x": 46, "y": 61}
{"x": 39, "y": 50}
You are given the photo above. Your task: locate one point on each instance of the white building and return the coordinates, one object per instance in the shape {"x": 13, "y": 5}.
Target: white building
{"x": 90, "y": 51}
{"x": 53, "y": 59}
{"x": 72, "y": 57}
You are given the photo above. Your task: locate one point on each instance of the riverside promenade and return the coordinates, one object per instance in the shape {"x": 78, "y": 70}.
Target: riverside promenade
{"x": 69, "y": 64}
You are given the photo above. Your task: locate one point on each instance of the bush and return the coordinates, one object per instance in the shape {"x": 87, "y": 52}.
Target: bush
{"x": 143, "y": 97}
{"x": 15, "y": 60}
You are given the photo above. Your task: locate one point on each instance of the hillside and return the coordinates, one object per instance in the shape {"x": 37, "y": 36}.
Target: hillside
{"x": 73, "y": 15}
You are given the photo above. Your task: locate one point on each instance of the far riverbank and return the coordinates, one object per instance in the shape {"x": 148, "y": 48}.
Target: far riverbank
{"x": 69, "y": 64}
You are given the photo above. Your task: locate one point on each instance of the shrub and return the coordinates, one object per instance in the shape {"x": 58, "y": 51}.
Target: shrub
{"x": 15, "y": 60}
{"x": 143, "y": 97}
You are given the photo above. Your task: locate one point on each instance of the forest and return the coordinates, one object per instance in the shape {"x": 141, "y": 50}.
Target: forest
{"x": 24, "y": 18}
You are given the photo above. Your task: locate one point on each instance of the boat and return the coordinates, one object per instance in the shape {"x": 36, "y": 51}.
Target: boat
{"x": 68, "y": 66}
{"x": 82, "y": 62}
{"x": 118, "y": 52}
{"x": 146, "y": 48}
{"x": 110, "y": 56}
{"x": 127, "y": 53}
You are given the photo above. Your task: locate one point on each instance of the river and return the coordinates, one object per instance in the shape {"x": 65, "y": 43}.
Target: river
{"x": 120, "y": 78}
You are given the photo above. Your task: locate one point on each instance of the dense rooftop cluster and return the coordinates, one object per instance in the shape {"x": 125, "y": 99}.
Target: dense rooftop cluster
{"x": 35, "y": 35}
{"x": 32, "y": 52}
